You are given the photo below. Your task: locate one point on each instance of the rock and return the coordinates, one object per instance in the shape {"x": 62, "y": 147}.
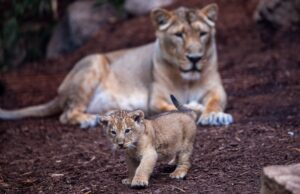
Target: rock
{"x": 278, "y": 13}
{"x": 82, "y": 20}
{"x": 60, "y": 42}
{"x": 18, "y": 53}
{"x": 141, "y": 7}
{"x": 85, "y": 18}
{"x": 281, "y": 180}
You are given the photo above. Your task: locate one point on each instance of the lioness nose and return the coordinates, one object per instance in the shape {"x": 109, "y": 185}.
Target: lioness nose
{"x": 194, "y": 58}
{"x": 121, "y": 145}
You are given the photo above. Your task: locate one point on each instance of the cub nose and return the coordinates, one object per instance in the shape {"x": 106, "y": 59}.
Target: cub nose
{"x": 194, "y": 58}
{"x": 121, "y": 145}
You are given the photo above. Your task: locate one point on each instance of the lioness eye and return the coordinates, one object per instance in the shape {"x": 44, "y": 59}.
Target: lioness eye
{"x": 202, "y": 34}
{"x": 113, "y": 132}
{"x": 127, "y": 130}
{"x": 178, "y": 34}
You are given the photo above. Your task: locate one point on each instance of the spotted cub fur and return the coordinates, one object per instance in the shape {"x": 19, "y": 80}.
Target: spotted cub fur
{"x": 169, "y": 135}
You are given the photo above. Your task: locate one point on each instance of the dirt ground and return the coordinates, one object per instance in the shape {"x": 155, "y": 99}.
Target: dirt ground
{"x": 262, "y": 82}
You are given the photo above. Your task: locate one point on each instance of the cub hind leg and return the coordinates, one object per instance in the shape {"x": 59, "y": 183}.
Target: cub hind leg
{"x": 183, "y": 157}
{"x": 78, "y": 88}
{"x": 183, "y": 165}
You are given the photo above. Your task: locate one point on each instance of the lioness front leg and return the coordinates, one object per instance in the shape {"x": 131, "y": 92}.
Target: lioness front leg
{"x": 159, "y": 99}
{"x": 214, "y": 105}
{"x": 160, "y": 105}
{"x": 144, "y": 170}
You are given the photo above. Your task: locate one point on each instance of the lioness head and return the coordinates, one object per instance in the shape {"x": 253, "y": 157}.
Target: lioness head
{"x": 186, "y": 38}
{"x": 123, "y": 127}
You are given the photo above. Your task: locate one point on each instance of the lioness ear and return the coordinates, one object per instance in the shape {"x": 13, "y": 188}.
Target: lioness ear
{"x": 161, "y": 18}
{"x": 210, "y": 12}
{"x": 137, "y": 116}
{"x": 104, "y": 120}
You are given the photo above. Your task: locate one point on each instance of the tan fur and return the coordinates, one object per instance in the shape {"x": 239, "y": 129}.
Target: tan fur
{"x": 144, "y": 77}
{"x": 168, "y": 136}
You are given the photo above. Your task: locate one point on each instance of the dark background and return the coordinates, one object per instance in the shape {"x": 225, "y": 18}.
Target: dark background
{"x": 260, "y": 74}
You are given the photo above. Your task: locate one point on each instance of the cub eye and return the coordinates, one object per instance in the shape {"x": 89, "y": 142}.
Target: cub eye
{"x": 127, "y": 130}
{"x": 179, "y": 34}
{"x": 202, "y": 34}
{"x": 113, "y": 132}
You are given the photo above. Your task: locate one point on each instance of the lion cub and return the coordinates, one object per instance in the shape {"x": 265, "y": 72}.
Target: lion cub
{"x": 168, "y": 135}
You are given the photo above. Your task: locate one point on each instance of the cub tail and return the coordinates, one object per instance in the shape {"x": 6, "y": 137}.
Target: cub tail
{"x": 180, "y": 107}
{"x": 47, "y": 109}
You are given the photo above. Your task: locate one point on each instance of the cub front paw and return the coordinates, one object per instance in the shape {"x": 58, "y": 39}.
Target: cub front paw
{"x": 139, "y": 182}
{"x": 178, "y": 174}
{"x": 126, "y": 181}
{"x": 215, "y": 118}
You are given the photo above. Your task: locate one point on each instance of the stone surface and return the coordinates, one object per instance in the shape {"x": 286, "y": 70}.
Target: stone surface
{"x": 279, "y": 13}
{"x": 281, "y": 179}
{"x": 82, "y": 20}
{"x": 141, "y": 7}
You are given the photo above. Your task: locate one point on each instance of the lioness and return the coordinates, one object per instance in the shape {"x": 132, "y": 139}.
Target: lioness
{"x": 182, "y": 61}
{"x": 168, "y": 135}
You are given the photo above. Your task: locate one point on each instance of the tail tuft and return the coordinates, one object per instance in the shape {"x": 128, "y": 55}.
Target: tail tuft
{"x": 178, "y": 105}
{"x": 175, "y": 101}
{"x": 182, "y": 108}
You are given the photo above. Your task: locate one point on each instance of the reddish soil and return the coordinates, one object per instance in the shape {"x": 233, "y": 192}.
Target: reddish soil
{"x": 262, "y": 82}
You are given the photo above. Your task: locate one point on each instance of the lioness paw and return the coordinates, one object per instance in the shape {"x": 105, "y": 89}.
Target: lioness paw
{"x": 214, "y": 118}
{"x": 178, "y": 174}
{"x": 126, "y": 181}
{"x": 139, "y": 182}
{"x": 90, "y": 121}
{"x": 195, "y": 106}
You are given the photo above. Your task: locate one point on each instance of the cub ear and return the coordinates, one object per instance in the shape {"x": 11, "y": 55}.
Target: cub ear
{"x": 104, "y": 120}
{"x": 210, "y": 13}
{"x": 138, "y": 116}
{"x": 161, "y": 18}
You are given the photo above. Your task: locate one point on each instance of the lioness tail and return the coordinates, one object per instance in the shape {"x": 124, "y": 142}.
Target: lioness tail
{"x": 42, "y": 110}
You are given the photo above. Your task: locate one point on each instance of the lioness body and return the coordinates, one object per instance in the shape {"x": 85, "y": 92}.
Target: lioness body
{"x": 124, "y": 82}
{"x": 182, "y": 61}
{"x": 169, "y": 135}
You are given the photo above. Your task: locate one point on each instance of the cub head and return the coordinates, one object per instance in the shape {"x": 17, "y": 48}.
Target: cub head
{"x": 187, "y": 38}
{"x": 123, "y": 127}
